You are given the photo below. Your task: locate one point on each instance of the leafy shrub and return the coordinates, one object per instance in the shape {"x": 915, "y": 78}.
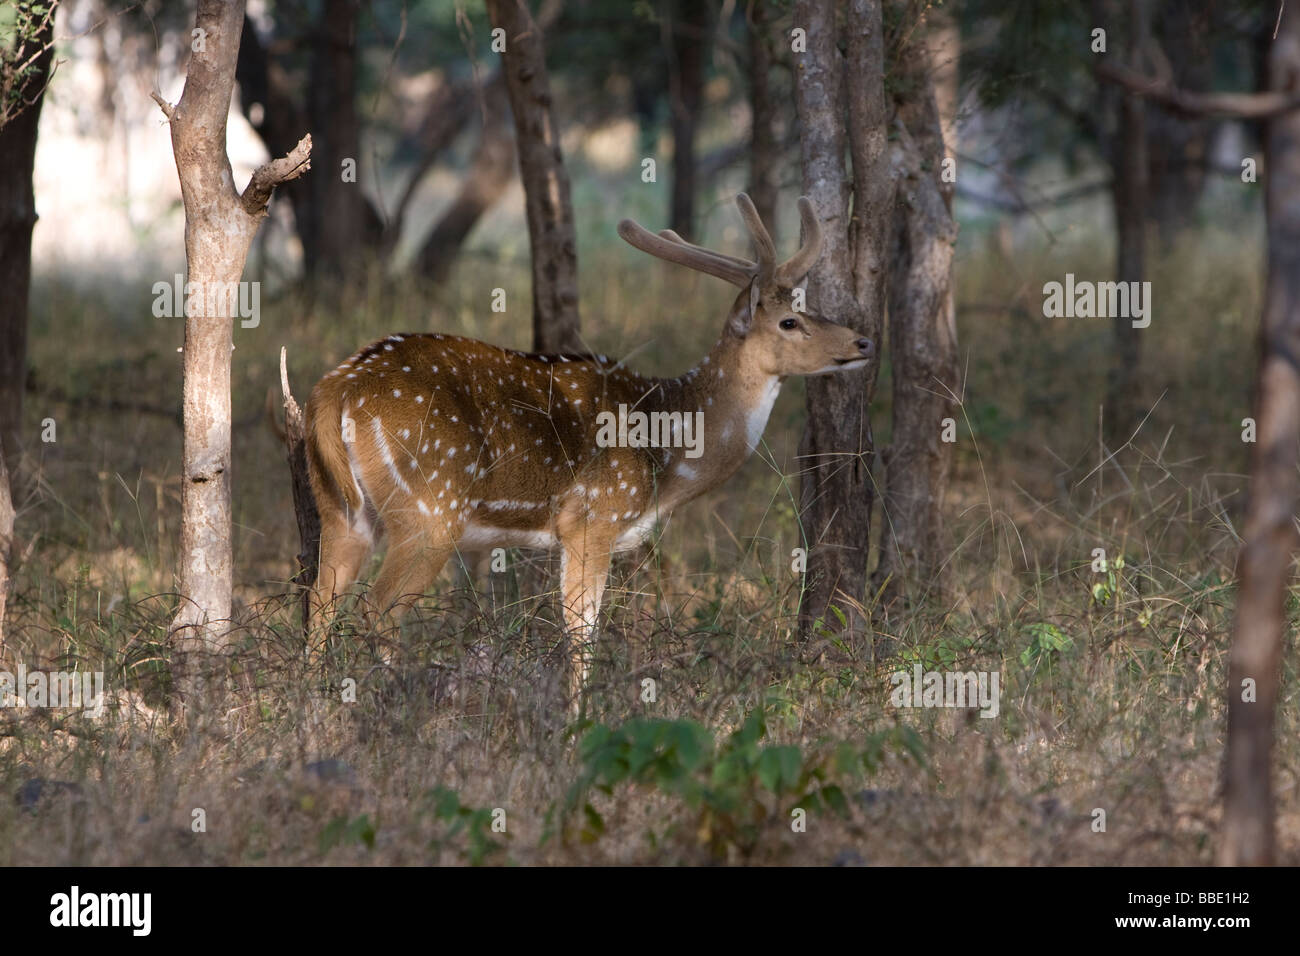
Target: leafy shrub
{"x": 728, "y": 793}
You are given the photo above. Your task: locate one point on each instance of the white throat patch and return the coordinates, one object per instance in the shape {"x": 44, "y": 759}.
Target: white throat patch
{"x": 756, "y": 420}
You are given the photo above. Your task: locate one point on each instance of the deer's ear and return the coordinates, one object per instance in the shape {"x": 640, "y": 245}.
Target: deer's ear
{"x": 742, "y": 318}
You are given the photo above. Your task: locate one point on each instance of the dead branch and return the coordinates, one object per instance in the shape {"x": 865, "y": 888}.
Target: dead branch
{"x": 289, "y": 167}
{"x": 1188, "y": 103}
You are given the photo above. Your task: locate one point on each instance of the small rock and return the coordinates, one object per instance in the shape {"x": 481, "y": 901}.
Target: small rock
{"x": 331, "y": 771}
{"x": 38, "y": 791}
{"x": 848, "y": 858}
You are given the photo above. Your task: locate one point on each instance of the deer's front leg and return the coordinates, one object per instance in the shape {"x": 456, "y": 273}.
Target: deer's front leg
{"x": 584, "y": 569}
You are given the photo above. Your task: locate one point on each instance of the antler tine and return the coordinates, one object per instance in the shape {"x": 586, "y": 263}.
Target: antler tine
{"x": 731, "y": 260}
{"x": 693, "y": 257}
{"x": 801, "y": 263}
{"x": 763, "y": 244}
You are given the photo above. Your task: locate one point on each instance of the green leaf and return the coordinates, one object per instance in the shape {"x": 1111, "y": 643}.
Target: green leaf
{"x": 446, "y": 803}
{"x": 835, "y": 799}
{"x": 778, "y": 768}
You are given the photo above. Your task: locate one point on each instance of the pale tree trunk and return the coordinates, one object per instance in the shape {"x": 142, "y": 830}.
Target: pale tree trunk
{"x": 219, "y": 228}
{"x": 17, "y": 218}
{"x": 842, "y": 110}
{"x": 764, "y": 155}
{"x": 943, "y": 52}
{"x": 1269, "y": 538}
{"x": 549, "y": 208}
{"x": 922, "y": 335}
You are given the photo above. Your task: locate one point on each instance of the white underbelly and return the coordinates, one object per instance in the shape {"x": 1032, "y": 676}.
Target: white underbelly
{"x": 634, "y": 535}
{"x": 479, "y": 535}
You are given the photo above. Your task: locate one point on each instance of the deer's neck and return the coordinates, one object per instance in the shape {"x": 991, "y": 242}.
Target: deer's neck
{"x": 733, "y": 401}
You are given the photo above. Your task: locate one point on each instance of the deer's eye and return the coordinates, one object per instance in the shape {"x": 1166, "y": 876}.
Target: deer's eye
{"x": 789, "y": 324}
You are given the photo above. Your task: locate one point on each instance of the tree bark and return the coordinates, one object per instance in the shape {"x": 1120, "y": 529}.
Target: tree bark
{"x": 487, "y": 178}
{"x": 689, "y": 26}
{"x": 304, "y": 503}
{"x": 17, "y": 219}
{"x": 1269, "y": 538}
{"x": 219, "y": 228}
{"x": 1129, "y": 195}
{"x": 546, "y": 182}
{"x": 847, "y": 285}
{"x": 764, "y": 155}
{"x": 335, "y": 222}
{"x": 6, "y": 543}
{"x": 340, "y": 224}
{"x": 922, "y": 344}
{"x": 1178, "y": 146}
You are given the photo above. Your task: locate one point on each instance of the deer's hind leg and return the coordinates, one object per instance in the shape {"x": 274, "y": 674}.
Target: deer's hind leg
{"x": 417, "y": 551}
{"x": 344, "y": 547}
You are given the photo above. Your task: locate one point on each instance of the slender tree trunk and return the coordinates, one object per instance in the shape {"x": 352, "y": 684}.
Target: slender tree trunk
{"x": 546, "y": 182}
{"x": 689, "y": 24}
{"x": 333, "y": 219}
{"x": 922, "y": 338}
{"x": 219, "y": 228}
{"x": 450, "y": 111}
{"x": 340, "y": 225}
{"x": 764, "y": 155}
{"x": 842, "y": 110}
{"x": 17, "y": 218}
{"x": 1178, "y": 146}
{"x": 304, "y": 504}
{"x": 1269, "y": 539}
{"x": 1129, "y": 194}
{"x": 485, "y": 181}
{"x": 6, "y": 543}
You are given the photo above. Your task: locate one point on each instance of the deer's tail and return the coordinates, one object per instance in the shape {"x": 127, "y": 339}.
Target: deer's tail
{"x": 328, "y": 461}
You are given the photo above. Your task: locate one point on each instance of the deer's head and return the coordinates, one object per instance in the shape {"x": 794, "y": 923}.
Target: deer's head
{"x": 772, "y": 334}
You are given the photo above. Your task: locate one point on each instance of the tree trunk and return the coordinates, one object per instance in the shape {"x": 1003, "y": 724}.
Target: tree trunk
{"x": 17, "y": 218}
{"x": 304, "y": 503}
{"x": 450, "y": 110}
{"x": 340, "y": 225}
{"x": 485, "y": 181}
{"x": 333, "y": 219}
{"x": 1269, "y": 537}
{"x": 764, "y": 156}
{"x": 546, "y": 183}
{"x": 1129, "y": 195}
{"x": 922, "y": 345}
{"x": 847, "y": 285}
{"x": 689, "y": 24}
{"x": 6, "y": 542}
{"x": 1178, "y": 146}
{"x": 219, "y": 228}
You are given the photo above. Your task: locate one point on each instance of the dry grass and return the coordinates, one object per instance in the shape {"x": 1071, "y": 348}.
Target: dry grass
{"x": 458, "y": 714}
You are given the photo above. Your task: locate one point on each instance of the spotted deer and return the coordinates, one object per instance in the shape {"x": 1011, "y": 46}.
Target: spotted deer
{"x": 440, "y": 442}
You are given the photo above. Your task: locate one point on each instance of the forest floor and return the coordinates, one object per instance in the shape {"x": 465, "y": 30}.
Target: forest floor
{"x": 1112, "y": 705}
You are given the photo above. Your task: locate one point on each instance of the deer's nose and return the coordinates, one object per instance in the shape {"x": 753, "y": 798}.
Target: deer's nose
{"x": 865, "y": 347}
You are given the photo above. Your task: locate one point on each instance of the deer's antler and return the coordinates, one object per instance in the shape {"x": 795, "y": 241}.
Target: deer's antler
{"x": 671, "y": 247}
